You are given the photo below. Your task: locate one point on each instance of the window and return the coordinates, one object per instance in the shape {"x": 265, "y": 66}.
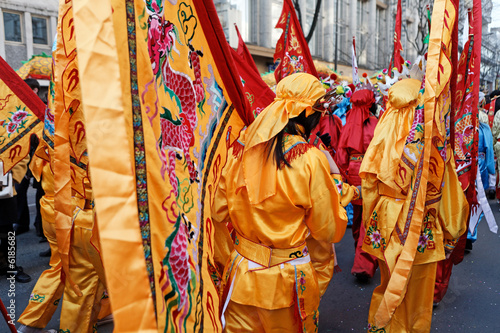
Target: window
{"x": 12, "y": 24}
{"x": 39, "y": 25}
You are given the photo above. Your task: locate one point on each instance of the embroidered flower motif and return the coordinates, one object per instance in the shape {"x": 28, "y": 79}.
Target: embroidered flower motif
{"x": 19, "y": 116}
{"x": 301, "y": 282}
{"x": 305, "y": 251}
{"x": 375, "y": 237}
{"x": 426, "y": 239}
{"x": 422, "y": 241}
{"x": 338, "y": 184}
{"x": 12, "y": 127}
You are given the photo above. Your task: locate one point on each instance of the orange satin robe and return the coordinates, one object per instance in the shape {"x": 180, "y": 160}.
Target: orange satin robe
{"x": 387, "y": 176}
{"x": 307, "y": 202}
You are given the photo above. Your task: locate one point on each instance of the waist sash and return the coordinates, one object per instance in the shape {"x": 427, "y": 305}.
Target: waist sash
{"x": 266, "y": 256}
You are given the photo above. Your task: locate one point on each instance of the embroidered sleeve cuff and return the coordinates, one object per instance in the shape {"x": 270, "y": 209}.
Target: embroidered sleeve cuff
{"x": 449, "y": 244}
{"x": 357, "y": 193}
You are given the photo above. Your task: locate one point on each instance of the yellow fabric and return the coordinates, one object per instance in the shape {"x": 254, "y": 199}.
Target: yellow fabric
{"x": 306, "y": 198}
{"x": 79, "y": 314}
{"x": 19, "y": 171}
{"x": 294, "y": 94}
{"x": 180, "y": 176}
{"x": 496, "y": 137}
{"x": 347, "y": 192}
{"x": 429, "y": 173}
{"x": 65, "y": 91}
{"x": 266, "y": 256}
{"x": 391, "y": 131}
{"x": 49, "y": 288}
{"x": 306, "y": 201}
{"x": 38, "y": 66}
{"x": 414, "y": 314}
{"x": 104, "y": 115}
{"x": 243, "y": 318}
{"x": 17, "y": 124}
{"x": 323, "y": 260}
{"x": 407, "y": 212}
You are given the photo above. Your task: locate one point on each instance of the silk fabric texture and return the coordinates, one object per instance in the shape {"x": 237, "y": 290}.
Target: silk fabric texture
{"x": 385, "y": 204}
{"x": 352, "y": 133}
{"x": 294, "y": 94}
{"x": 356, "y": 134}
{"x": 306, "y": 201}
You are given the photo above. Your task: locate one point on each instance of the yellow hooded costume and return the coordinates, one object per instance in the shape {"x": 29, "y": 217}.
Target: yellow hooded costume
{"x": 271, "y": 280}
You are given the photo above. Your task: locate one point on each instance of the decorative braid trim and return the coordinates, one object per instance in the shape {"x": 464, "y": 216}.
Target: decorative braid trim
{"x": 298, "y": 149}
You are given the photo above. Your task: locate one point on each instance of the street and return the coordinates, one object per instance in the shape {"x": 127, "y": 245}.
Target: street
{"x": 471, "y": 304}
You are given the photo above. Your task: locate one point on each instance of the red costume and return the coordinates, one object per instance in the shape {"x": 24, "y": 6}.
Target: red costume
{"x": 330, "y": 126}
{"x": 355, "y": 138}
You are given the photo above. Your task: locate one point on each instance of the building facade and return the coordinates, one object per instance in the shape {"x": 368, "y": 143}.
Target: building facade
{"x": 370, "y": 21}
{"x": 27, "y": 28}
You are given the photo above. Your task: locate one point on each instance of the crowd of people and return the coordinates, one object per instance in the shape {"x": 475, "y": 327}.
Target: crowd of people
{"x": 86, "y": 303}
{"x": 316, "y": 159}
{"x": 301, "y": 166}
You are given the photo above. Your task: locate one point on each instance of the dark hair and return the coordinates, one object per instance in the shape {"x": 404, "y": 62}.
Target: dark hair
{"x": 487, "y": 99}
{"x": 32, "y": 83}
{"x": 494, "y": 93}
{"x": 275, "y": 145}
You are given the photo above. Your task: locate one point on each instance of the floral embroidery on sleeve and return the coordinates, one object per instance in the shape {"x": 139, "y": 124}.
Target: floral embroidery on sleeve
{"x": 426, "y": 239}
{"x": 373, "y": 235}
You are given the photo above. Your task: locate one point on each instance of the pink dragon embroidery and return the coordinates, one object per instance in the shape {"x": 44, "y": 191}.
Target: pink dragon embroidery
{"x": 177, "y": 133}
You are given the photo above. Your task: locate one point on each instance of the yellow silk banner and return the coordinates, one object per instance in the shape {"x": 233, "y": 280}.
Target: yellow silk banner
{"x": 70, "y": 145}
{"x": 112, "y": 168}
{"x": 162, "y": 107}
{"x": 21, "y": 115}
{"x": 433, "y": 155}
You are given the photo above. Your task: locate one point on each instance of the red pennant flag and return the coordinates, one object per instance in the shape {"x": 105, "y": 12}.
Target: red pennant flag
{"x": 292, "y": 53}
{"x": 243, "y": 52}
{"x": 466, "y": 101}
{"x": 257, "y": 92}
{"x": 465, "y": 146}
{"x": 397, "y": 60}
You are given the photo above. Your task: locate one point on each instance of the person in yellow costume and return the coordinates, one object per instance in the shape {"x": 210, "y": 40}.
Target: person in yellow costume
{"x": 80, "y": 313}
{"x": 276, "y": 193}
{"x": 77, "y": 311}
{"x": 389, "y": 173}
{"x": 49, "y": 288}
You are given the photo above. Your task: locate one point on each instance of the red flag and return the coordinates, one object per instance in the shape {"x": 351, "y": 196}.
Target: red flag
{"x": 243, "y": 52}
{"x": 466, "y": 101}
{"x": 397, "y": 60}
{"x": 466, "y": 115}
{"x": 292, "y": 53}
{"x": 257, "y": 92}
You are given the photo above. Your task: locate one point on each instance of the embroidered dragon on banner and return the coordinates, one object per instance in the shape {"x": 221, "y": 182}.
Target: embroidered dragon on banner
{"x": 177, "y": 133}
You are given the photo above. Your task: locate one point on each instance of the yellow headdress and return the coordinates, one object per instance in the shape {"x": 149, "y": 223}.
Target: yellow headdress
{"x": 294, "y": 94}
